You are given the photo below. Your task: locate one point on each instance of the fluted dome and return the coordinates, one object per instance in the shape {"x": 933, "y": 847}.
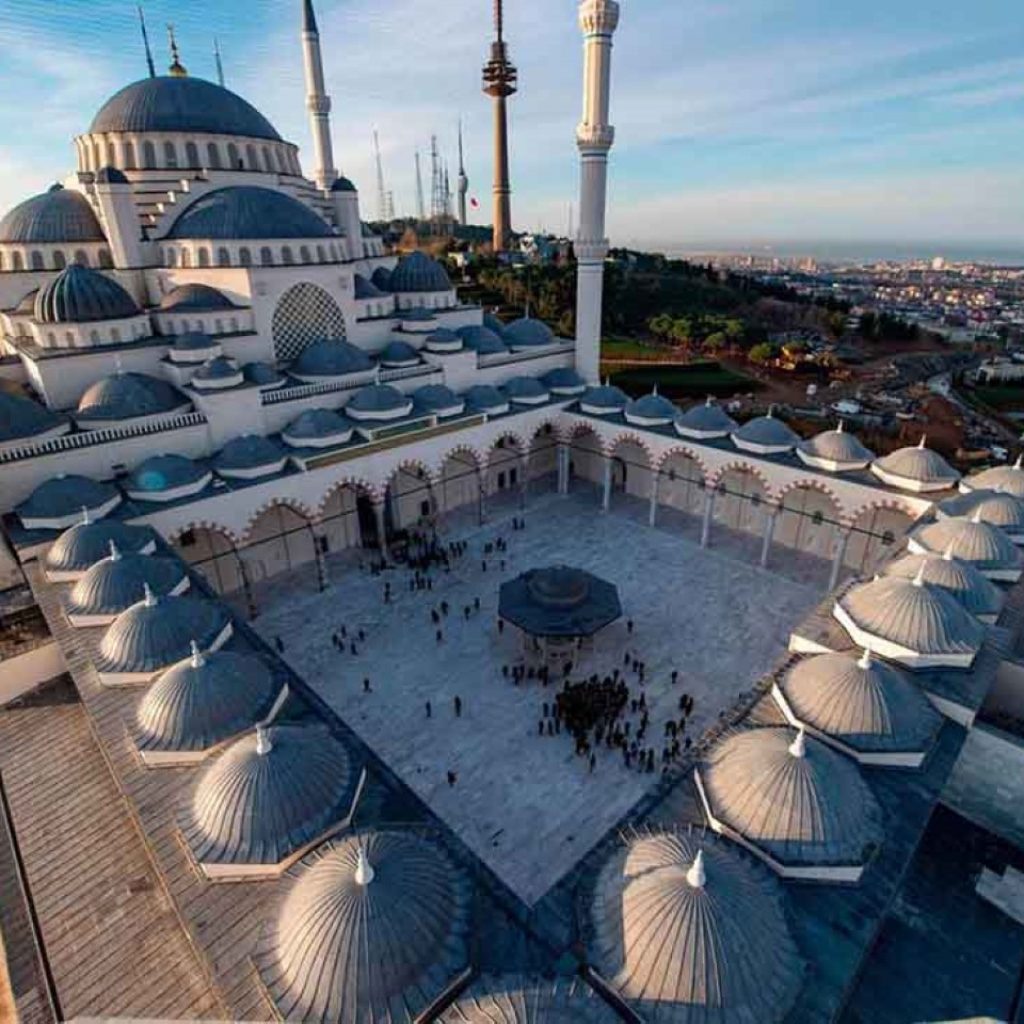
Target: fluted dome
{"x": 166, "y": 477}
{"x": 202, "y": 701}
{"x": 125, "y": 396}
{"x": 564, "y": 381}
{"x": 528, "y": 333}
{"x": 193, "y": 347}
{"x": 378, "y": 402}
{"x": 83, "y": 545}
{"x": 437, "y": 400}
{"x": 22, "y": 419}
{"x": 706, "y": 421}
{"x": 529, "y": 999}
{"x": 835, "y": 451}
{"x": 119, "y": 581}
{"x": 376, "y": 921}
{"x": 343, "y": 184}
{"x": 651, "y": 410}
{"x": 494, "y": 323}
{"x": 487, "y": 399}
{"x": 217, "y": 374}
{"x": 58, "y": 216}
{"x": 381, "y": 279}
{"x": 792, "y": 797}
{"x": 986, "y": 547}
{"x": 525, "y": 391}
{"x": 604, "y": 400}
{"x": 248, "y": 457}
{"x": 248, "y": 212}
{"x": 398, "y": 354}
{"x": 992, "y": 507}
{"x": 331, "y": 357}
{"x": 194, "y": 298}
{"x": 1009, "y": 479}
{"x": 974, "y": 591}
{"x": 263, "y": 375}
{"x": 862, "y": 702}
{"x": 688, "y": 930}
{"x": 443, "y": 341}
{"x": 80, "y": 294}
{"x": 62, "y": 500}
{"x": 417, "y": 272}
{"x": 915, "y": 469}
{"x": 765, "y": 435}
{"x": 363, "y": 289}
{"x": 483, "y": 341}
{"x": 318, "y": 428}
{"x": 910, "y": 622}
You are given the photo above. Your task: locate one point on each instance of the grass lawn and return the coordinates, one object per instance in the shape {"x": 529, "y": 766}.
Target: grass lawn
{"x": 1004, "y": 397}
{"x": 629, "y": 348}
{"x": 694, "y": 380}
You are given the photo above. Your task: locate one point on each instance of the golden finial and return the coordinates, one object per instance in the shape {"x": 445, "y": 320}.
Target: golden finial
{"x": 177, "y": 69}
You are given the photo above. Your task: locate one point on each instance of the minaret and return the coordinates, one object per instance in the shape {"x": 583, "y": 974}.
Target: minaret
{"x": 594, "y": 138}
{"x": 317, "y": 101}
{"x": 500, "y": 79}
{"x": 463, "y": 181}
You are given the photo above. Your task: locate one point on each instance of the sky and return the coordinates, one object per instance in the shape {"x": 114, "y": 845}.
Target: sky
{"x": 741, "y": 124}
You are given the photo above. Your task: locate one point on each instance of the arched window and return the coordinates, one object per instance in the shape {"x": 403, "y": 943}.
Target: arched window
{"x": 3, "y": 261}
{"x": 185, "y": 327}
{"x": 234, "y": 325}
{"x": 51, "y": 338}
{"x": 304, "y": 254}
{"x": 245, "y": 256}
{"x": 266, "y": 256}
{"x": 186, "y": 258}
{"x": 148, "y": 156}
{"x": 81, "y": 258}
{"x": 170, "y": 155}
{"x": 37, "y": 261}
{"x": 97, "y": 155}
{"x": 94, "y": 337}
{"x": 286, "y": 254}
{"x": 281, "y": 165}
{"x": 69, "y": 339}
{"x": 59, "y": 262}
{"x": 192, "y": 154}
{"x": 172, "y": 258}
{"x": 218, "y": 326}
{"x": 268, "y": 163}
{"x": 213, "y": 155}
{"x": 223, "y": 257}
{"x": 115, "y": 335}
{"x": 129, "y": 156}
{"x": 204, "y": 256}
{"x": 111, "y": 155}
{"x": 233, "y": 161}
{"x": 320, "y": 254}
{"x": 251, "y": 162}
{"x": 105, "y": 261}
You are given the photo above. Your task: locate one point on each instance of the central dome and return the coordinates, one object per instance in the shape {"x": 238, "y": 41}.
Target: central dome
{"x": 246, "y": 211}
{"x": 168, "y": 104}
{"x": 559, "y": 587}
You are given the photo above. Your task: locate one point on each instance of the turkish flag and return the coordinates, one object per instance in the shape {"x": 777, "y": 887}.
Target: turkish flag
{"x": 474, "y": 203}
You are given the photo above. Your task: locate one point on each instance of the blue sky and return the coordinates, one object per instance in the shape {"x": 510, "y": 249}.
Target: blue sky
{"x": 740, "y": 122}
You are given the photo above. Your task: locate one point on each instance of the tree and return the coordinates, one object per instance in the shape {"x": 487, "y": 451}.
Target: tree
{"x": 761, "y": 354}
{"x": 715, "y": 343}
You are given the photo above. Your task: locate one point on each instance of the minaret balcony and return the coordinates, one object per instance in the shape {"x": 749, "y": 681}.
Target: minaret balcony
{"x": 599, "y": 17}
{"x": 595, "y": 136}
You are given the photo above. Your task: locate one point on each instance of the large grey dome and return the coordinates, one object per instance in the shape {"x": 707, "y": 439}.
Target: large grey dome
{"x": 993, "y": 507}
{"x": 486, "y": 398}
{"x": 706, "y": 421}
{"x": 248, "y": 212}
{"x": 978, "y": 594}
{"x": 437, "y": 400}
{"x": 67, "y": 495}
{"x": 1009, "y": 479}
{"x": 171, "y": 104}
{"x": 915, "y": 469}
{"x": 124, "y": 396}
{"x": 378, "y": 402}
{"x": 417, "y": 272}
{"x": 21, "y": 419}
{"x": 251, "y": 455}
{"x": 690, "y": 931}
{"x": 986, "y": 547}
{"x": 60, "y": 215}
{"x": 526, "y": 999}
{"x": 527, "y": 333}
{"x": 374, "y": 929}
{"x": 318, "y": 428}
{"x": 765, "y": 435}
{"x": 119, "y": 581}
{"x": 835, "y": 451}
{"x": 331, "y": 357}
{"x": 268, "y": 794}
{"x": 82, "y": 546}
{"x": 160, "y": 476}
{"x": 792, "y": 797}
{"x": 194, "y": 297}
{"x": 80, "y": 295}
{"x": 482, "y": 340}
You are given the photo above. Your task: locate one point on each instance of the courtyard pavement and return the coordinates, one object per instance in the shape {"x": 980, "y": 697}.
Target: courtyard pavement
{"x": 525, "y": 803}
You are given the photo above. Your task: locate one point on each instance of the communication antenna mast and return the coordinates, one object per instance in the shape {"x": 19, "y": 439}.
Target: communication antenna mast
{"x": 220, "y": 66}
{"x": 437, "y": 190}
{"x": 421, "y": 210}
{"x": 145, "y": 43}
{"x": 385, "y": 202}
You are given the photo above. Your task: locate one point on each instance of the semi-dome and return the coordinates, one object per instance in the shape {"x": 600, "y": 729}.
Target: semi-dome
{"x": 528, "y": 333}
{"x": 157, "y": 632}
{"x": 194, "y": 298}
{"x": 910, "y": 622}
{"x": 381, "y": 279}
{"x": 22, "y": 419}
{"x": 986, "y": 547}
{"x": 27, "y": 305}
{"x": 528, "y": 999}
{"x": 443, "y": 341}
{"x": 835, "y": 451}
{"x": 378, "y": 402}
{"x": 688, "y": 930}
{"x": 170, "y": 104}
{"x": 417, "y": 272}
{"x": 398, "y": 354}
{"x": 217, "y": 374}
{"x": 765, "y": 435}
{"x": 125, "y": 396}
{"x": 915, "y": 469}
{"x": 60, "y": 215}
{"x": 793, "y": 797}
{"x": 111, "y": 176}
{"x": 330, "y": 357}
{"x": 376, "y": 920}
{"x": 83, "y": 545}
{"x": 249, "y": 457}
{"x": 706, "y": 421}
{"x": 271, "y": 792}
{"x": 193, "y": 347}
{"x": 604, "y": 400}
{"x": 79, "y": 295}
{"x": 263, "y": 375}
{"x": 118, "y": 581}
{"x": 481, "y": 340}
{"x": 978, "y": 594}
{"x": 364, "y": 289}
{"x": 201, "y": 701}
{"x": 494, "y": 323}
{"x": 62, "y": 500}
{"x": 343, "y": 184}
{"x": 248, "y": 212}
{"x": 525, "y": 391}
{"x": 1008, "y": 479}
{"x": 318, "y": 428}
{"x": 166, "y": 477}
{"x": 651, "y": 410}
{"x": 564, "y": 381}
{"x": 437, "y": 400}
{"x": 487, "y": 399}
{"x": 993, "y": 507}
{"x": 863, "y": 703}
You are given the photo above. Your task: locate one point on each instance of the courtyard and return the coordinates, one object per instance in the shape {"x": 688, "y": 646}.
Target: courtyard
{"x": 526, "y": 804}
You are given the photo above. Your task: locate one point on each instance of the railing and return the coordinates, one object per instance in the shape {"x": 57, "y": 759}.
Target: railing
{"x": 524, "y": 357}
{"x": 405, "y": 372}
{"x": 293, "y": 394}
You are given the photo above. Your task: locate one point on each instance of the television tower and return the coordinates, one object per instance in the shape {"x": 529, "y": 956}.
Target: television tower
{"x": 500, "y": 82}
{"x": 385, "y": 202}
{"x": 463, "y": 180}
{"x": 421, "y": 210}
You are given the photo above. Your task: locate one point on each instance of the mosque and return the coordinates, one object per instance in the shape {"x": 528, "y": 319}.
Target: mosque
{"x": 215, "y": 378}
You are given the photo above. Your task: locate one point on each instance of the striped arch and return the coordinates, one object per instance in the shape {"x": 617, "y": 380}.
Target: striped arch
{"x": 745, "y": 467}
{"x": 203, "y": 524}
{"x": 556, "y": 431}
{"x": 628, "y": 437}
{"x": 415, "y": 467}
{"x": 298, "y": 507}
{"x": 357, "y": 484}
{"x": 685, "y": 452}
{"x": 875, "y": 532}
{"x": 585, "y": 430}
{"x": 812, "y": 484}
{"x": 519, "y": 442}
{"x": 479, "y": 460}
{"x": 882, "y": 504}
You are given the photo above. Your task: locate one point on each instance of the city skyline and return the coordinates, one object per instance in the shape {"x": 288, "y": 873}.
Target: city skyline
{"x": 737, "y": 129}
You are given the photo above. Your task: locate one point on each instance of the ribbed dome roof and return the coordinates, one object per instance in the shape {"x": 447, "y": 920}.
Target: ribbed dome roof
{"x": 528, "y": 999}
{"x": 494, "y": 323}
{"x": 124, "y": 396}
{"x": 835, "y": 448}
{"x": 707, "y": 420}
{"x": 119, "y": 581}
{"x": 60, "y": 215}
{"x": 343, "y": 185}
{"x": 65, "y": 495}
{"x": 564, "y": 380}
{"x": 82, "y": 546}
{"x": 793, "y": 797}
{"x": 27, "y": 305}
{"x": 21, "y": 417}
{"x": 485, "y": 398}
{"x": 262, "y": 374}
{"x": 399, "y": 353}
{"x": 381, "y": 279}
{"x": 528, "y": 333}
{"x": 917, "y": 467}
{"x": 79, "y": 295}
{"x": 417, "y": 272}
{"x": 364, "y": 289}
{"x": 526, "y": 390}
{"x": 692, "y": 932}
{"x": 161, "y": 473}
{"x": 977, "y": 594}
{"x": 604, "y": 399}
{"x": 438, "y": 399}
{"x": 992, "y": 507}
{"x": 194, "y": 297}
{"x": 159, "y": 631}
{"x": 483, "y": 341}
{"x": 221, "y": 370}
{"x": 766, "y": 434}
{"x": 331, "y": 357}
{"x": 318, "y": 425}
{"x": 443, "y": 340}
{"x": 170, "y": 104}
{"x": 247, "y": 211}
{"x": 378, "y": 400}
{"x": 375, "y": 923}
{"x": 986, "y": 547}
{"x": 909, "y": 621}
{"x": 205, "y": 699}
{"x": 194, "y": 341}
{"x": 1009, "y": 479}
{"x": 247, "y": 453}
{"x": 863, "y": 702}
{"x": 651, "y": 410}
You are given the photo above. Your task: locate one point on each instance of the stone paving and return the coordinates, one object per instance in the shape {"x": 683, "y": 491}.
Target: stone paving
{"x": 524, "y": 803}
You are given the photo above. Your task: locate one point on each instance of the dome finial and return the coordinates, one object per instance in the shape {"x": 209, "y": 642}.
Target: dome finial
{"x": 177, "y": 69}
{"x": 86, "y": 519}
{"x": 708, "y": 402}
{"x": 919, "y": 578}
{"x": 1019, "y": 464}
{"x": 864, "y": 661}
{"x": 976, "y": 518}
{"x": 948, "y": 553}
{"x": 771, "y": 411}
{"x": 655, "y": 391}
{"x": 798, "y": 748}
{"x": 841, "y": 427}
{"x": 364, "y": 869}
{"x": 198, "y": 661}
{"x": 115, "y": 555}
{"x": 148, "y": 598}
{"x": 696, "y": 876}
{"x": 924, "y": 440}
{"x": 263, "y": 744}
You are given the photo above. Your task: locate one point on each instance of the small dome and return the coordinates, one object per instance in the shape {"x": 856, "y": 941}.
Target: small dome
{"x": 909, "y": 622}
{"x": 218, "y": 373}
{"x": 205, "y": 699}
{"x": 194, "y": 298}
{"x": 793, "y": 797}
{"x": 422, "y": 317}
{"x": 690, "y": 931}
{"x": 248, "y": 212}
{"x": 159, "y": 631}
{"x": 651, "y": 410}
{"x": 59, "y": 215}
{"x": 249, "y": 456}
{"x": 331, "y": 357}
{"x": 196, "y": 345}
{"x": 126, "y": 396}
{"x": 65, "y": 497}
{"x": 985, "y": 547}
{"x": 706, "y": 421}
{"x": 381, "y": 279}
{"x": 493, "y": 323}
{"x": 378, "y": 402}
{"x": 528, "y": 999}
{"x": 483, "y": 341}
{"x": 318, "y": 428}
{"x": 111, "y": 176}
{"x": 79, "y": 295}
{"x": 155, "y": 477}
{"x": 375, "y": 921}
{"x": 119, "y": 581}
{"x": 22, "y": 418}
{"x": 343, "y": 185}
{"x": 835, "y": 451}
{"x": 263, "y": 375}
{"x": 1008, "y": 479}
{"x": 526, "y": 391}
{"x": 564, "y": 381}
{"x": 604, "y": 400}
{"x": 992, "y": 507}
{"x": 27, "y": 305}
{"x": 528, "y": 333}
{"x": 87, "y": 543}
{"x": 417, "y": 272}
{"x": 977, "y": 594}
{"x": 862, "y": 702}
{"x": 915, "y": 469}
{"x": 487, "y": 399}
{"x": 437, "y": 400}
{"x": 765, "y": 435}
{"x": 443, "y": 340}
{"x": 399, "y": 354}
{"x": 364, "y": 289}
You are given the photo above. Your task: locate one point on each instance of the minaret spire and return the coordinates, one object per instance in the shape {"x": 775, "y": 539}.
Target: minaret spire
{"x": 318, "y": 103}
{"x": 463, "y": 180}
{"x": 220, "y": 65}
{"x": 500, "y": 81}
{"x": 177, "y": 69}
{"x": 145, "y": 43}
